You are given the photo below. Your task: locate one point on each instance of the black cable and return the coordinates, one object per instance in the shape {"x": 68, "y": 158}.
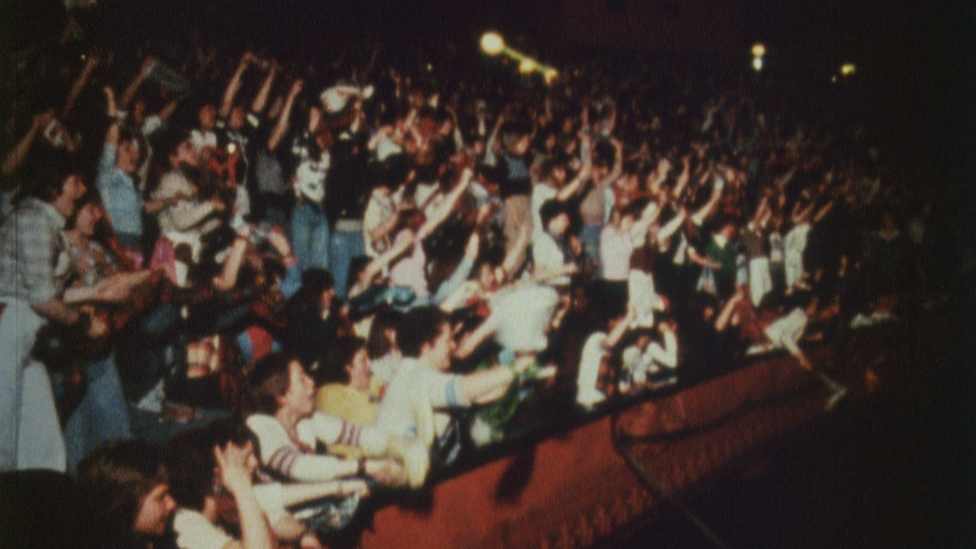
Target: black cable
{"x": 657, "y": 486}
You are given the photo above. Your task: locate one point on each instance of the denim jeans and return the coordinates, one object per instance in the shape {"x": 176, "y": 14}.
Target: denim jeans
{"x": 310, "y": 236}
{"x": 101, "y": 416}
{"x": 343, "y": 247}
{"x": 30, "y": 434}
{"x": 590, "y": 238}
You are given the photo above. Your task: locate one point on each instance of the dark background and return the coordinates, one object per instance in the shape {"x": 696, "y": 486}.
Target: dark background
{"x": 895, "y": 469}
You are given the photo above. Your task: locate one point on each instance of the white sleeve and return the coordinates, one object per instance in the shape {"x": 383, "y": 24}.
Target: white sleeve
{"x": 283, "y": 456}
{"x": 787, "y": 331}
{"x": 444, "y": 390}
{"x": 332, "y": 430}
{"x": 270, "y": 500}
{"x": 667, "y": 355}
{"x": 194, "y": 531}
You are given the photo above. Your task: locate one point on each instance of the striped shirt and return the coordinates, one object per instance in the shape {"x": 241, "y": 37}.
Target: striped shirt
{"x": 35, "y": 264}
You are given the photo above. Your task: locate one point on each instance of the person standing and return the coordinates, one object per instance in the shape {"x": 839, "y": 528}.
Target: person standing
{"x": 34, "y": 270}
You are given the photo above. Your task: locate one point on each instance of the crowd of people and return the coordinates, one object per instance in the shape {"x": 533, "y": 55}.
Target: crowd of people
{"x": 306, "y": 283}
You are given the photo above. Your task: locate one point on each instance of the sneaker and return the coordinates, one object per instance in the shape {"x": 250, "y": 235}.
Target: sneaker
{"x": 837, "y": 392}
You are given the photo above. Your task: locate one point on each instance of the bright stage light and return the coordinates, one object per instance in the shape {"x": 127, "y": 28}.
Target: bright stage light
{"x": 492, "y": 43}
{"x": 527, "y": 65}
{"x": 757, "y": 63}
{"x": 847, "y": 69}
{"x": 758, "y": 50}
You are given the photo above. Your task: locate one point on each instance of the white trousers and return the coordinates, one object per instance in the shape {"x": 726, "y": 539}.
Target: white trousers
{"x": 760, "y": 281}
{"x": 30, "y": 434}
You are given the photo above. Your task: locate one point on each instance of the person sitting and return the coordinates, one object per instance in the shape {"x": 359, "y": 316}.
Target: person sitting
{"x": 125, "y": 486}
{"x": 211, "y": 474}
{"x": 346, "y": 388}
{"x": 213, "y": 512}
{"x": 288, "y": 429}
{"x": 422, "y": 384}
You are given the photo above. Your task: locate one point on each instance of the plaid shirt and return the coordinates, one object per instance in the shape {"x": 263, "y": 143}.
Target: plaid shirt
{"x": 35, "y": 264}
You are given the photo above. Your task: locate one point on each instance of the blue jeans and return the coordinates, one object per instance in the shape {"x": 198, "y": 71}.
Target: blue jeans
{"x": 590, "y": 238}
{"x": 101, "y": 416}
{"x": 310, "y": 236}
{"x": 343, "y": 247}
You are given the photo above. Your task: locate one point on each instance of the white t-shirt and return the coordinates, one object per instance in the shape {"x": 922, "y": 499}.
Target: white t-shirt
{"x": 200, "y": 139}
{"x": 589, "y": 370}
{"x": 297, "y": 459}
{"x": 786, "y": 331}
{"x": 407, "y": 408}
{"x": 546, "y": 253}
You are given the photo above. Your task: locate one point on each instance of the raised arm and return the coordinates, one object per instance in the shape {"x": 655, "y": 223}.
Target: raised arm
{"x": 281, "y": 127}
{"x": 233, "y": 86}
{"x": 404, "y": 240}
{"x": 17, "y": 155}
{"x": 235, "y": 477}
{"x": 490, "y": 159}
{"x": 649, "y": 215}
{"x": 586, "y": 170}
{"x": 699, "y": 217}
{"x": 618, "y": 331}
{"x": 618, "y": 163}
{"x": 444, "y": 209}
{"x": 79, "y": 85}
{"x": 473, "y": 339}
{"x": 261, "y": 99}
{"x": 822, "y": 212}
{"x": 133, "y": 87}
{"x": 672, "y": 226}
{"x": 683, "y": 178}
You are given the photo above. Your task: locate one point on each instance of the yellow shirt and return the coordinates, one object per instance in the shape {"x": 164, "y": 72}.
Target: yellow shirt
{"x": 349, "y": 404}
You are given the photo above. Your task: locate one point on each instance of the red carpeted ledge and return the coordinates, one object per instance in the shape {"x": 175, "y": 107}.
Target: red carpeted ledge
{"x": 575, "y": 490}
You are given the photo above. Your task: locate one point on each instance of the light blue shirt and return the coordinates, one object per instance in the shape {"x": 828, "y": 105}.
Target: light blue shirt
{"x": 119, "y": 195}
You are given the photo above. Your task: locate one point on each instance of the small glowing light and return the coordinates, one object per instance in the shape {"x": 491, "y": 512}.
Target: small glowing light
{"x": 492, "y": 43}
{"x": 834, "y": 79}
{"x": 550, "y": 75}
{"x": 757, "y": 63}
{"x": 758, "y": 50}
{"x": 430, "y": 68}
{"x": 847, "y": 69}
{"x": 527, "y": 65}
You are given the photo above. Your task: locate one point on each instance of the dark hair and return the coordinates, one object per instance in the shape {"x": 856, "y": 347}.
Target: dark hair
{"x": 113, "y": 482}
{"x": 549, "y": 210}
{"x": 170, "y": 141}
{"x": 339, "y": 355}
{"x": 306, "y": 301}
{"x": 48, "y": 180}
{"x": 90, "y": 197}
{"x": 268, "y": 381}
{"x": 317, "y": 281}
{"x": 634, "y": 209}
{"x": 191, "y": 459}
{"x": 419, "y": 326}
{"x": 548, "y": 166}
{"x": 378, "y": 345}
{"x": 357, "y": 265}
